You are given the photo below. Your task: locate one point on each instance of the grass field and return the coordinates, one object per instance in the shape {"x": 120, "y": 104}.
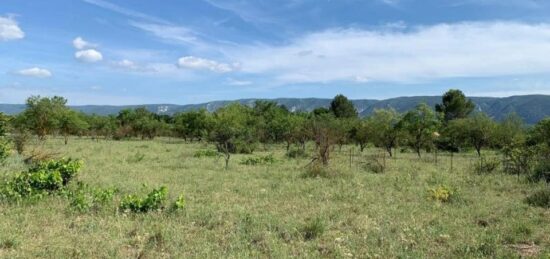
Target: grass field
{"x": 273, "y": 211}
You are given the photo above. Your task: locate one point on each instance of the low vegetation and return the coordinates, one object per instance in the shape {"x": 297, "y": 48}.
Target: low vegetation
{"x": 437, "y": 183}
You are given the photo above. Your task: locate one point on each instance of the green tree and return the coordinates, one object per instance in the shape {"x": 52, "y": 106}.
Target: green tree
{"x": 326, "y": 131}
{"x": 420, "y": 125}
{"x": 4, "y": 144}
{"x": 341, "y": 107}
{"x": 510, "y": 131}
{"x": 361, "y": 133}
{"x": 233, "y": 129}
{"x": 193, "y": 124}
{"x": 384, "y": 129}
{"x": 455, "y": 105}
{"x": 42, "y": 114}
{"x": 70, "y": 122}
{"x": 479, "y": 131}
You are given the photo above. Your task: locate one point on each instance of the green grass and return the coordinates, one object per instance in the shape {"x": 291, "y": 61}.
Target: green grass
{"x": 271, "y": 210}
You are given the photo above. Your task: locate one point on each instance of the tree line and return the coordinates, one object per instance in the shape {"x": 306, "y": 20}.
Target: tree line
{"x": 451, "y": 126}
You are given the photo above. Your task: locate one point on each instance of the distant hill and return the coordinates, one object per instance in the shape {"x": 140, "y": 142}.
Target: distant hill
{"x": 531, "y": 108}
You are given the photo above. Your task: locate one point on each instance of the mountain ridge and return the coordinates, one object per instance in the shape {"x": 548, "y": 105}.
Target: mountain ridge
{"x": 531, "y": 108}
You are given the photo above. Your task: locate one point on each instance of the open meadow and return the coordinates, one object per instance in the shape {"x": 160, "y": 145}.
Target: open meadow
{"x": 273, "y": 209}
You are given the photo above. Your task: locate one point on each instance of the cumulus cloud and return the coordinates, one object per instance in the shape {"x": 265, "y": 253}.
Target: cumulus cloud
{"x": 89, "y": 55}
{"x": 80, "y": 43}
{"x": 191, "y": 62}
{"x": 35, "y": 72}
{"x": 9, "y": 29}
{"x": 416, "y": 54}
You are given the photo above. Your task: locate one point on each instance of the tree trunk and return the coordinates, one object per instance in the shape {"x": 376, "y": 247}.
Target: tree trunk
{"x": 66, "y": 138}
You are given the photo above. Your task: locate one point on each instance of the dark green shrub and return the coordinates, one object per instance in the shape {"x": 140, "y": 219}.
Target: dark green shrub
{"x": 260, "y": 160}
{"x": 153, "y": 201}
{"x": 541, "y": 172}
{"x": 540, "y": 198}
{"x": 206, "y": 153}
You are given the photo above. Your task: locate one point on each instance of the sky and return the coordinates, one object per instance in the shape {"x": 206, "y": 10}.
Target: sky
{"x": 192, "y": 51}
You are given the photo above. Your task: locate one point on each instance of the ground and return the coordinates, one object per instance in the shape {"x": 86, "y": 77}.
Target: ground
{"x": 274, "y": 211}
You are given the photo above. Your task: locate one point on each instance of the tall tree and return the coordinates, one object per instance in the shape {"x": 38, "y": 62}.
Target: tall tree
{"x": 455, "y": 105}
{"x": 341, "y": 107}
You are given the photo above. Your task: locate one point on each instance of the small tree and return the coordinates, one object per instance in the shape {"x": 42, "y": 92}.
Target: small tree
{"x": 420, "y": 125}
{"x": 70, "y": 122}
{"x": 326, "y": 132}
{"x": 361, "y": 133}
{"x": 480, "y": 130}
{"x": 384, "y": 129}
{"x": 341, "y": 107}
{"x": 42, "y": 114}
{"x": 233, "y": 124}
{"x": 4, "y": 145}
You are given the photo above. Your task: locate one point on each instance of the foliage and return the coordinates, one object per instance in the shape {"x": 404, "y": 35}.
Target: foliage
{"x": 540, "y": 198}
{"x": 193, "y": 125}
{"x": 441, "y": 193}
{"x": 375, "y": 163}
{"x": 518, "y": 158}
{"x": 541, "y": 172}
{"x": 341, "y": 107}
{"x": 455, "y": 105}
{"x": 259, "y": 160}
{"x": 478, "y": 130}
{"x": 383, "y": 129}
{"x": 486, "y": 165}
{"x": 152, "y": 201}
{"x": 42, "y": 114}
{"x": 71, "y": 123}
{"x": 4, "y": 150}
{"x": 420, "y": 125}
{"x": 179, "y": 203}
{"x": 85, "y": 198}
{"x": 296, "y": 153}
{"x": 20, "y": 139}
{"x": 43, "y": 178}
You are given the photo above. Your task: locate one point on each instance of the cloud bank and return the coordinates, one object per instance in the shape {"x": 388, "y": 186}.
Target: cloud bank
{"x": 472, "y": 49}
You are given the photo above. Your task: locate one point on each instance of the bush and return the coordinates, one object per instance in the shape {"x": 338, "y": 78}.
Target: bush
{"x": 43, "y": 178}
{"x": 541, "y": 172}
{"x": 153, "y": 201}
{"x": 375, "y": 164}
{"x": 206, "y": 153}
{"x": 260, "y": 160}
{"x": 317, "y": 169}
{"x": 20, "y": 140}
{"x": 441, "y": 194}
{"x": 4, "y": 150}
{"x": 296, "y": 153}
{"x": 85, "y": 198}
{"x": 486, "y": 166}
{"x": 540, "y": 198}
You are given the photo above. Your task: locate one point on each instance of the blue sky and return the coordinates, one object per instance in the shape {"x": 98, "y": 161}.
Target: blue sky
{"x": 191, "y": 51}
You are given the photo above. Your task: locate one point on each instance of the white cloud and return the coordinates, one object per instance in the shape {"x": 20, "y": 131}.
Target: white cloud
{"x": 196, "y": 63}
{"x": 35, "y": 72}
{"x": 9, "y": 29}
{"x": 80, "y": 43}
{"x": 476, "y": 49}
{"x": 89, "y": 55}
